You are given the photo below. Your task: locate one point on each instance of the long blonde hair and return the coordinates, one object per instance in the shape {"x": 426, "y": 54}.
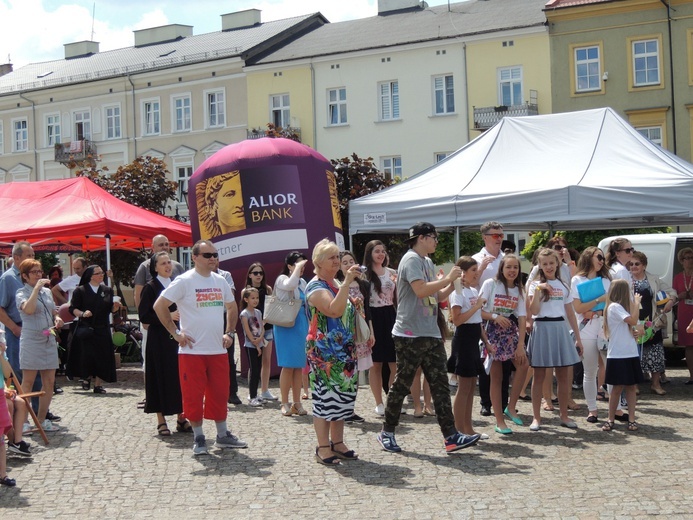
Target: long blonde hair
{"x": 619, "y": 292}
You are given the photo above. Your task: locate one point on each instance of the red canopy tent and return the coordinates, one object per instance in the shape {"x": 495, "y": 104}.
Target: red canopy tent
{"x": 76, "y": 213}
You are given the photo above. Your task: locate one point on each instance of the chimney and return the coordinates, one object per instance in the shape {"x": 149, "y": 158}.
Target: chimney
{"x": 240, "y": 19}
{"x": 81, "y": 49}
{"x": 5, "y": 68}
{"x": 163, "y": 34}
{"x": 392, "y": 6}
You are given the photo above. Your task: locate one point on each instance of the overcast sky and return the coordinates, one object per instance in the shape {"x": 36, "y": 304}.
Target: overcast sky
{"x": 35, "y": 30}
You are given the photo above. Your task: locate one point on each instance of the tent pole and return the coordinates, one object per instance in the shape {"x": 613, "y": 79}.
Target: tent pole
{"x": 457, "y": 243}
{"x": 351, "y": 242}
{"x": 108, "y": 257}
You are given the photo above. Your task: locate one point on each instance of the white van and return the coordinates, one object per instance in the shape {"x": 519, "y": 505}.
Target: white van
{"x": 661, "y": 250}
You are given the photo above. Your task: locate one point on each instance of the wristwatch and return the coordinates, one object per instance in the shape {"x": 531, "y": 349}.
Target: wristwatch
{"x": 494, "y": 316}
{"x": 177, "y": 333}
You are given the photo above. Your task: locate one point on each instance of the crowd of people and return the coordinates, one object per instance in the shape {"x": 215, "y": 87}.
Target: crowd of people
{"x": 603, "y": 316}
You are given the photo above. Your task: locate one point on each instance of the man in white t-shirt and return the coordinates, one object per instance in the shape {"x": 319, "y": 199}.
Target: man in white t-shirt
{"x": 203, "y": 297}
{"x": 70, "y": 283}
{"x": 489, "y": 259}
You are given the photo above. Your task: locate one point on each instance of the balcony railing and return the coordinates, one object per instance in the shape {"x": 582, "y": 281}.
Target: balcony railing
{"x": 75, "y": 151}
{"x": 486, "y": 117}
{"x": 290, "y": 132}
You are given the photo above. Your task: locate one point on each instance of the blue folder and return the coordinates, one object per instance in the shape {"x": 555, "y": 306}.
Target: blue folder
{"x": 591, "y": 290}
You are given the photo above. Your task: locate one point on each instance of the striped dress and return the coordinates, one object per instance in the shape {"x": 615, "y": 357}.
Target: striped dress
{"x": 331, "y": 355}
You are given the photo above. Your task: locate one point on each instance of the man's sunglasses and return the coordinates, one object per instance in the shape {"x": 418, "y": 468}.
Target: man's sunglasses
{"x": 209, "y": 255}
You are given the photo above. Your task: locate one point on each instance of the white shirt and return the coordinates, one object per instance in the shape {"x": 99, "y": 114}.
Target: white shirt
{"x": 592, "y": 329}
{"x": 201, "y": 301}
{"x": 502, "y": 303}
{"x": 491, "y": 269}
{"x": 621, "y": 342}
{"x": 555, "y": 307}
{"x": 465, "y": 302}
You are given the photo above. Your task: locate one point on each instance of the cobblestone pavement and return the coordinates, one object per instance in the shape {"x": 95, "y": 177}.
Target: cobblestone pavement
{"x": 108, "y": 462}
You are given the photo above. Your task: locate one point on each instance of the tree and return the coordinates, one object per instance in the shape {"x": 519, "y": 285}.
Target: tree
{"x": 144, "y": 183}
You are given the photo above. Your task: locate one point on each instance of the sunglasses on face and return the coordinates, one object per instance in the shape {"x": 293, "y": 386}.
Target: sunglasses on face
{"x": 558, "y": 247}
{"x": 600, "y": 258}
{"x": 257, "y": 273}
{"x": 628, "y": 250}
{"x": 496, "y": 236}
{"x": 209, "y": 255}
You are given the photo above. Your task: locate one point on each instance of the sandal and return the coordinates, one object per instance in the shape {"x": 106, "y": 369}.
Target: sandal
{"x": 573, "y": 407}
{"x": 297, "y": 409}
{"x": 608, "y": 426}
{"x": 658, "y": 391}
{"x": 428, "y": 412}
{"x": 287, "y": 410}
{"x": 547, "y": 407}
{"x": 163, "y": 430}
{"x": 346, "y": 455}
{"x": 592, "y": 418}
{"x": 601, "y": 396}
{"x": 304, "y": 396}
{"x": 328, "y": 461}
{"x": 7, "y": 481}
{"x": 632, "y": 426}
{"x": 86, "y": 384}
{"x": 184, "y": 426}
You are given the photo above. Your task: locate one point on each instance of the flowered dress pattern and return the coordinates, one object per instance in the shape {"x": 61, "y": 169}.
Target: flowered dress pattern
{"x": 331, "y": 355}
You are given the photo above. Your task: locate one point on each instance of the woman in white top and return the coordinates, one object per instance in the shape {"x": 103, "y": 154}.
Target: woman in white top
{"x": 620, "y": 252}
{"x": 290, "y": 342}
{"x": 506, "y": 312}
{"x": 550, "y": 344}
{"x": 591, "y": 265}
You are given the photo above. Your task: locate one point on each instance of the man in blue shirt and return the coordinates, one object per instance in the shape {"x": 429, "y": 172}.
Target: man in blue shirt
{"x": 10, "y": 283}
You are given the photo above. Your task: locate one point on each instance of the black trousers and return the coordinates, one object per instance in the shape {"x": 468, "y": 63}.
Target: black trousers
{"x": 233, "y": 381}
{"x": 485, "y": 385}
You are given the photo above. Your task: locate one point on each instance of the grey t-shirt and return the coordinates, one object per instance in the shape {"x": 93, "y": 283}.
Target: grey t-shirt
{"x": 416, "y": 317}
{"x": 143, "y": 276}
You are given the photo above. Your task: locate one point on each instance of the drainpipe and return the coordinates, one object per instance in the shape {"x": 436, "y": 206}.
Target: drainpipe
{"x": 315, "y": 119}
{"x": 134, "y": 116}
{"x": 466, "y": 89}
{"x": 33, "y": 127}
{"x": 671, "y": 68}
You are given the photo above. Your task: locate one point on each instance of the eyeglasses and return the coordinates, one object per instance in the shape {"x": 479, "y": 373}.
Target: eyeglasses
{"x": 558, "y": 247}
{"x": 209, "y": 255}
{"x": 600, "y": 258}
{"x": 36, "y": 271}
{"x": 257, "y": 273}
{"x": 434, "y": 237}
{"x": 497, "y": 236}
{"x": 628, "y": 250}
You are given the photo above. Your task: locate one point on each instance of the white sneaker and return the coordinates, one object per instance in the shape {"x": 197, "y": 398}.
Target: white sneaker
{"x": 26, "y": 430}
{"x": 380, "y": 410}
{"x": 49, "y": 426}
{"x": 268, "y": 396}
{"x": 255, "y": 402}
{"x": 453, "y": 381}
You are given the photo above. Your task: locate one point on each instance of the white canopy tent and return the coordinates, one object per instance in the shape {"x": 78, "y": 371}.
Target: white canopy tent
{"x": 576, "y": 170}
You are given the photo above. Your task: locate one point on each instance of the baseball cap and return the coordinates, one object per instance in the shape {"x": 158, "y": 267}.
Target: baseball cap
{"x": 421, "y": 228}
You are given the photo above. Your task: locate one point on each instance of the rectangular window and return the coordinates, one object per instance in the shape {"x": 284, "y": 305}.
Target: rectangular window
{"x": 183, "y": 174}
{"x": 441, "y": 155}
{"x": 391, "y": 167}
{"x": 587, "y": 69}
{"x": 280, "y": 110}
{"x": 181, "y": 114}
{"x": 336, "y": 106}
{"x": 112, "y": 122}
{"x": 645, "y": 62}
{"x": 444, "y": 94}
{"x": 389, "y": 100}
{"x": 652, "y": 133}
{"x": 82, "y": 121}
{"x": 151, "y": 114}
{"x": 52, "y": 130}
{"x": 510, "y": 86}
{"x": 20, "y": 135}
{"x": 216, "y": 110}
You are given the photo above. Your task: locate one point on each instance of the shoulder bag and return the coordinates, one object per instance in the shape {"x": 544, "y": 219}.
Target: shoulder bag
{"x": 280, "y": 312}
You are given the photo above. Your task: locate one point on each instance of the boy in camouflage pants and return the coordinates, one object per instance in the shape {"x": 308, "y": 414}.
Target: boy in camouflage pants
{"x": 418, "y": 341}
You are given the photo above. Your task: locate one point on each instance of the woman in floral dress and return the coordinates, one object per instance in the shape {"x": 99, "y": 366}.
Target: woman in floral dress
{"x": 331, "y": 353}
